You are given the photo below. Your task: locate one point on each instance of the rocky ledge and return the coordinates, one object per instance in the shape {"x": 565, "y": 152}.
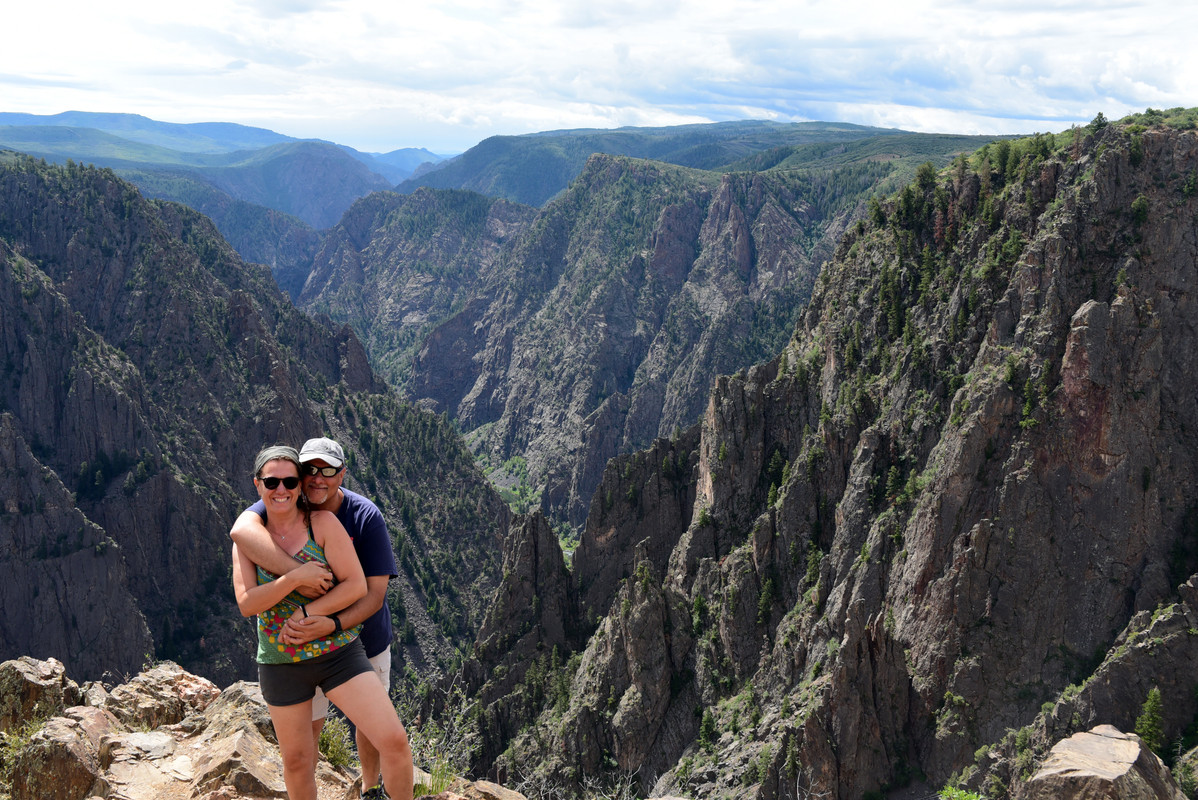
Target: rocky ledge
{"x": 164, "y": 735}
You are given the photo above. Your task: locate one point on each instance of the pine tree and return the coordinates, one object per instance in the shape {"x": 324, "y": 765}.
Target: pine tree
{"x": 1150, "y": 726}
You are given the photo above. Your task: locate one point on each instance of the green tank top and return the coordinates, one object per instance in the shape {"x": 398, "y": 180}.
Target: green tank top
{"x": 270, "y": 622}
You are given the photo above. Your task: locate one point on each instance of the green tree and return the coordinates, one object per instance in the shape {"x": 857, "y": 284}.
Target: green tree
{"x": 1150, "y": 725}
{"x": 707, "y": 730}
{"x": 1139, "y": 210}
{"x": 876, "y": 215}
{"x": 1002, "y": 153}
{"x": 926, "y": 176}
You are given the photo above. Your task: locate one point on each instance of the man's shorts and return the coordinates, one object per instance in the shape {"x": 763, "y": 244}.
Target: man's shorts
{"x": 298, "y": 682}
{"x": 381, "y": 664}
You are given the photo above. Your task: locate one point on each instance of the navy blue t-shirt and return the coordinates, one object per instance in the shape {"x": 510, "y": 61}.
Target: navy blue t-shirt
{"x": 364, "y": 523}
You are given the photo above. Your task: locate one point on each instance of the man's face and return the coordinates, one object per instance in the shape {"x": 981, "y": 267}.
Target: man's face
{"x": 319, "y": 489}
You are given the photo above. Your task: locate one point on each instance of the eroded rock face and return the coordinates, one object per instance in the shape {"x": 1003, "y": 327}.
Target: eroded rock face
{"x": 599, "y": 326}
{"x": 532, "y": 622}
{"x": 1099, "y": 764}
{"x": 958, "y": 505}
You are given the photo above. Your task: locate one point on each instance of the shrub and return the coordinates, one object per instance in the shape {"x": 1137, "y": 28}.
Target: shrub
{"x": 953, "y": 793}
{"x": 336, "y": 744}
{"x": 707, "y": 730}
{"x": 1139, "y": 210}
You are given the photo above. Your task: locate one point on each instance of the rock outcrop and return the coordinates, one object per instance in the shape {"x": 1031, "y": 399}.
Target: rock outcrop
{"x": 164, "y": 734}
{"x": 532, "y": 626}
{"x": 1102, "y": 764}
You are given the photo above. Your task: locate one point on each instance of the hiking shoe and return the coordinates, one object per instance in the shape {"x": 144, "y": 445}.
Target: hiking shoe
{"x": 376, "y": 793}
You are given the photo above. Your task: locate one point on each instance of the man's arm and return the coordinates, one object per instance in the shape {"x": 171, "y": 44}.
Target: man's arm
{"x": 254, "y": 598}
{"x": 253, "y": 540}
{"x": 316, "y": 627}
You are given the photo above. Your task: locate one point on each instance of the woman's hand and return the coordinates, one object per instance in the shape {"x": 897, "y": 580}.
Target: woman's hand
{"x": 301, "y": 630}
{"x": 343, "y": 561}
{"x": 312, "y": 579}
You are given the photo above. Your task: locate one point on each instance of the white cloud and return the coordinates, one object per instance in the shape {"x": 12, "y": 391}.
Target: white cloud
{"x": 379, "y": 75}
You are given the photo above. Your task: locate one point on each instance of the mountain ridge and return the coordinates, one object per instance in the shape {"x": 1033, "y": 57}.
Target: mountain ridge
{"x": 532, "y": 168}
{"x": 933, "y": 536}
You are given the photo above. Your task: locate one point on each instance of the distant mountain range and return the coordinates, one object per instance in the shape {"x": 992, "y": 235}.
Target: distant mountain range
{"x": 312, "y": 180}
{"x": 533, "y": 168}
{"x": 208, "y": 137}
{"x": 268, "y": 193}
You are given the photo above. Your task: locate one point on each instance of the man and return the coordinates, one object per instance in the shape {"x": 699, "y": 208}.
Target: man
{"x": 323, "y": 463}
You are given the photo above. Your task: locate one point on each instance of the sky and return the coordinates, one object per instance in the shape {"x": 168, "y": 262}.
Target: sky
{"x": 379, "y": 75}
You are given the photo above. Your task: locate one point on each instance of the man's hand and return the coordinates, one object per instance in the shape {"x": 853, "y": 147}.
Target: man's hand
{"x": 301, "y": 630}
{"x": 312, "y": 579}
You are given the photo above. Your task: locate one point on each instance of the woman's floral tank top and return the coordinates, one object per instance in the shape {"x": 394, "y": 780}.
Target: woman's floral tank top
{"x": 270, "y": 622}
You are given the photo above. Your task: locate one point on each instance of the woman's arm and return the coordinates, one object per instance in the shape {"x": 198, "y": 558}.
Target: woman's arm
{"x": 253, "y": 598}
{"x": 343, "y": 561}
{"x": 251, "y": 537}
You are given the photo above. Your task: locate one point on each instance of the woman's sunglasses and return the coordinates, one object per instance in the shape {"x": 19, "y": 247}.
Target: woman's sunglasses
{"x": 328, "y": 472}
{"x": 273, "y": 483}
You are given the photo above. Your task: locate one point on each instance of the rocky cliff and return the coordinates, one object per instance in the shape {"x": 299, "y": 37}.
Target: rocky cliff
{"x": 144, "y": 365}
{"x": 616, "y": 308}
{"x": 562, "y": 337}
{"x": 396, "y": 266}
{"x": 945, "y": 527}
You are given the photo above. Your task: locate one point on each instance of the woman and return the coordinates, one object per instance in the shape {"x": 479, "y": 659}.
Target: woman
{"x": 288, "y": 674}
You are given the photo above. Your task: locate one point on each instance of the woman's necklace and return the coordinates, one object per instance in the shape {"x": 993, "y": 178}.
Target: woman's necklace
{"x": 284, "y": 537}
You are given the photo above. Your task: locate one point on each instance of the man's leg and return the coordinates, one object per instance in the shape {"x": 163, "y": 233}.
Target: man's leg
{"x": 320, "y": 710}
{"x": 368, "y": 754}
{"x": 368, "y": 706}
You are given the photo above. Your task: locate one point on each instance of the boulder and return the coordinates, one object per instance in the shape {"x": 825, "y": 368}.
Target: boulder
{"x": 1103, "y": 763}
{"x": 60, "y": 761}
{"x": 483, "y": 790}
{"x": 32, "y": 689}
{"x": 162, "y": 695}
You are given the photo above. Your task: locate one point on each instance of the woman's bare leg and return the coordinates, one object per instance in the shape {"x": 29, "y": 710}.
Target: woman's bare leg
{"x": 364, "y": 700}
{"x": 293, "y": 728}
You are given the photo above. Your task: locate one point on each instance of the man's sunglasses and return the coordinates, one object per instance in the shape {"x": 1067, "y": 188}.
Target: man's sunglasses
{"x": 273, "y": 483}
{"x": 328, "y": 472}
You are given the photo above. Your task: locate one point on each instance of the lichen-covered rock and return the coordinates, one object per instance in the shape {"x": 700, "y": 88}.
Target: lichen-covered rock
{"x": 162, "y": 695}
{"x": 60, "y": 761}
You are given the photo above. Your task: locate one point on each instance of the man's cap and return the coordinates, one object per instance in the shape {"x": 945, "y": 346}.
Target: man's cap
{"x": 323, "y": 449}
